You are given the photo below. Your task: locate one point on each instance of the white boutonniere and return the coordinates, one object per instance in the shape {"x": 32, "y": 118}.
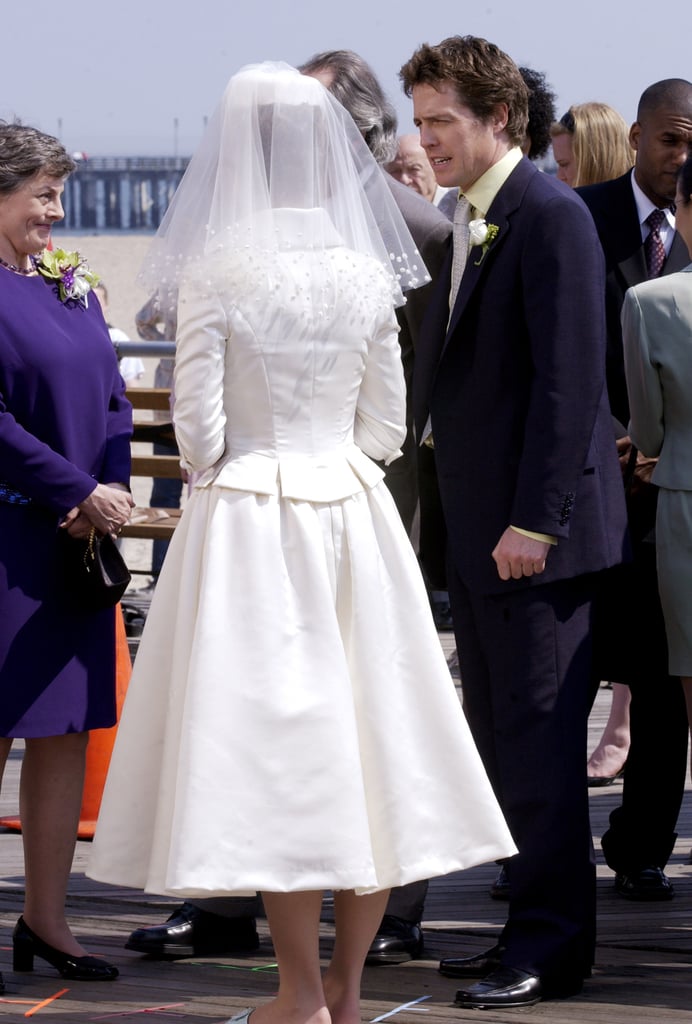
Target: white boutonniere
{"x": 483, "y": 234}
{"x": 71, "y": 273}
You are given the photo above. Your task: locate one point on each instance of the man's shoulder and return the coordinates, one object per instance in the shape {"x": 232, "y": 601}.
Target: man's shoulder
{"x": 614, "y": 211}
{"x": 528, "y": 187}
{"x": 663, "y": 289}
{"x": 422, "y": 217}
{"x": 609, "y": 196}
{"x": 531, "y": 197}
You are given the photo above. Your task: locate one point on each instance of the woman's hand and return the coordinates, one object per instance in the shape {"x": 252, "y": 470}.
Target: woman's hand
{"x": 76, "y": 524}
{"x": 107, "y": 509}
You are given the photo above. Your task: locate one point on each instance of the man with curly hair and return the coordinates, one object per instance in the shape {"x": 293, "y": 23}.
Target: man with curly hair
{"x": 509, "y": 386}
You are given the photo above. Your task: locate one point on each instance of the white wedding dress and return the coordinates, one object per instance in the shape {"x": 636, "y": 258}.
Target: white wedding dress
{"x": 291, "y": 723}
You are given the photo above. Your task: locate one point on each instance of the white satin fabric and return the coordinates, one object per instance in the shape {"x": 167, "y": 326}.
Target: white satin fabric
{"x": 291, "y": 723}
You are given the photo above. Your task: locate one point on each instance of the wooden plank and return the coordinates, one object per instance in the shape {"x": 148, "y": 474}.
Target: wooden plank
{"x": 162, "y": 529}
{"x": 150, "y": 398}
{"x": 642, "y": 975}
{"x": 156, "y": 465}
{"x": 152, "y": 523}
{"x": 153, "y": 433}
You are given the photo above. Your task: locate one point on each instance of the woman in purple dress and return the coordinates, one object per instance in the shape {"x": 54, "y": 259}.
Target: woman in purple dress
{"x": 65, "y": 428}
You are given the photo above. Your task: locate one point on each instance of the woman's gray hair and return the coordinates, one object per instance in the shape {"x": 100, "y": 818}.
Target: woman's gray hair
{"x": 26, "y": 151}
{"x": 356, "y": 88}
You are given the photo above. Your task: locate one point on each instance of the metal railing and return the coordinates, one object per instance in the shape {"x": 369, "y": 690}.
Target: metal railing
{"x": 158, "y": 349}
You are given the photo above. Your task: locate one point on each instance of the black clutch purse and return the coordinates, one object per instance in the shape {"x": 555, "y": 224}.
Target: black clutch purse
{"x": 95, "y": 575}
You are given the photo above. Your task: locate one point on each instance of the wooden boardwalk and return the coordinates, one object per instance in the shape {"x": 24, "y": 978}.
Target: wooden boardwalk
{"x": 643, "y": 973}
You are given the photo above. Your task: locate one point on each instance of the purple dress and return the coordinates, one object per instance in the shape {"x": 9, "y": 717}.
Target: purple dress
{"x": 64, "y": 423}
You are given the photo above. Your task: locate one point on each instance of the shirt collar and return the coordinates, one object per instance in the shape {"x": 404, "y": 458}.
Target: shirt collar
{"x": 483, "y": 191}
{"x": 645, "y": 206}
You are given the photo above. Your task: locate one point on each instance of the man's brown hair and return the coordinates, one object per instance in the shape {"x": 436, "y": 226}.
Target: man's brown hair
{"x": 483, "y": 75}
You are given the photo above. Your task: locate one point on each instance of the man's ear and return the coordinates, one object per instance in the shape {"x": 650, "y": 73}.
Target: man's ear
{"x": 634, "y": 135}
{"x": 500, "y": 117}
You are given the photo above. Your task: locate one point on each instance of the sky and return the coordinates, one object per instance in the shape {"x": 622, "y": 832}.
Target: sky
{"x": 139, "y": 77}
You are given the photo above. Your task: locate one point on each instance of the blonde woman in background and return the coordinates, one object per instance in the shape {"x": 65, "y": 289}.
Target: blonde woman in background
{"x": 591, "y": 144}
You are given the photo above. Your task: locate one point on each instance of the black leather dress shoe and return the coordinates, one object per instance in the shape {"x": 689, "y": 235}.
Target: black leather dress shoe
{"x": 471, "y": 966}
{"x": 505, "y": 987}
{"x": 499, "y": 890}
{"x": 396, "y": 942}
{"x": 648, "y": 884}
{"x": 508, "y": 987}
{"x": 190, "y": 931}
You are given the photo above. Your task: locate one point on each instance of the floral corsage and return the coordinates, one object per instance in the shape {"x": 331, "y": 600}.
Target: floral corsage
{"x": 70, "y": 271}
{"x": 484, "y": 235}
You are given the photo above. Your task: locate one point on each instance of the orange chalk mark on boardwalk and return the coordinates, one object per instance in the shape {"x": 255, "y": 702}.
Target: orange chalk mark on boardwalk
{"x": 35, "y": 1007}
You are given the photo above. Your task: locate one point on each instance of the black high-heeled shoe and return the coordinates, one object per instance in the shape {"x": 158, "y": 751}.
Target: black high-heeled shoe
{"x": 26, "y": 945}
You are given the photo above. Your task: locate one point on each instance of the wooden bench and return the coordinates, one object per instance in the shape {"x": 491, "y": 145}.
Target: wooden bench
{"x": 153, "y": 523}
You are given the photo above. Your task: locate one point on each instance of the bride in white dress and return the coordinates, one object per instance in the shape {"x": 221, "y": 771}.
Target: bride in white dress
{"x": 291, "y": 725}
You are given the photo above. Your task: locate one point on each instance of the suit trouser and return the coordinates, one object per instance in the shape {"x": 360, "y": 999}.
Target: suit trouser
{"x": 406, "y": 902}
{"x": 633, "y": 647}
{"x": 525, "y": 661}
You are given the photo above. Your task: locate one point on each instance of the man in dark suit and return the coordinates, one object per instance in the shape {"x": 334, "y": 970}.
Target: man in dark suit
{"x": 630, "y": 635}
{"x": 513, "y": 381}
{"x": 227, "y": 926}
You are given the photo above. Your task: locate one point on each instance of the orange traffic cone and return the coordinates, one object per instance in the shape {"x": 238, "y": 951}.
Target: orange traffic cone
{"x": 101, "y": 743}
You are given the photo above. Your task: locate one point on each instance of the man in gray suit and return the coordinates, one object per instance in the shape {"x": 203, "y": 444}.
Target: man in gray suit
{"x": 227, "y": 926}
{"x": 352, "y": 82}
{"x": 635, "y": 218}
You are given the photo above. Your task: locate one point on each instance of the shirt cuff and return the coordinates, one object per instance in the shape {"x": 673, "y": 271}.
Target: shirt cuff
{"x": 545, "y": 537}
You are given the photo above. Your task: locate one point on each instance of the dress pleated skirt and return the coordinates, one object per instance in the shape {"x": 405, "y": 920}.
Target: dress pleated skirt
{"x": 291, "y": 723}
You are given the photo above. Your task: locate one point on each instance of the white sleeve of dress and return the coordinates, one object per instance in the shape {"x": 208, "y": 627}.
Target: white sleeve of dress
{"x": 380, "y": 425}
{"x": 198, "y": 413}
{"x": 646, "y": 426}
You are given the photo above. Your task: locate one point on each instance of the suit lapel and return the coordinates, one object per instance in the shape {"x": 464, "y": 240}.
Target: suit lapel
{"x": 506, "y": 202}
{"x": 678, "y": 257}
{"x": 634, "y": 269}
{"x": 626, "y": 233}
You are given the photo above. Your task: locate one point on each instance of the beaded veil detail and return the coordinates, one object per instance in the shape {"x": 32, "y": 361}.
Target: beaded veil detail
{"x": 279, "y": 142}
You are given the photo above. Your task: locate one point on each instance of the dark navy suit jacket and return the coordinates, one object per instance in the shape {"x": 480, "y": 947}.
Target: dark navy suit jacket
{"x": 515, "y": 386}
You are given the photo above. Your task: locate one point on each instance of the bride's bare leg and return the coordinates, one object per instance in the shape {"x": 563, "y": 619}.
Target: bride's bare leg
{"x": 294, "y": 924}
{"x": 357, "y": 920}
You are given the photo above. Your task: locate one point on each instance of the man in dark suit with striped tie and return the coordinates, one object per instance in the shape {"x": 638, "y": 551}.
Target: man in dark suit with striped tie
{"x": 635, "y": 220}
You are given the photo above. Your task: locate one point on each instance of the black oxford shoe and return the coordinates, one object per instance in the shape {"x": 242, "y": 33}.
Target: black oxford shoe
{"x": 190, "y": 931}
{"x": 471, "y": 966}
{"x": 504, "y": 988}
{"x": 648, "y": 884}
{"x": 396, "y": 942}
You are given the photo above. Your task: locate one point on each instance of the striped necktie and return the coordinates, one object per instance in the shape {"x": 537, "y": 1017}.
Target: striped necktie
{"x": 460, "y": 237}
